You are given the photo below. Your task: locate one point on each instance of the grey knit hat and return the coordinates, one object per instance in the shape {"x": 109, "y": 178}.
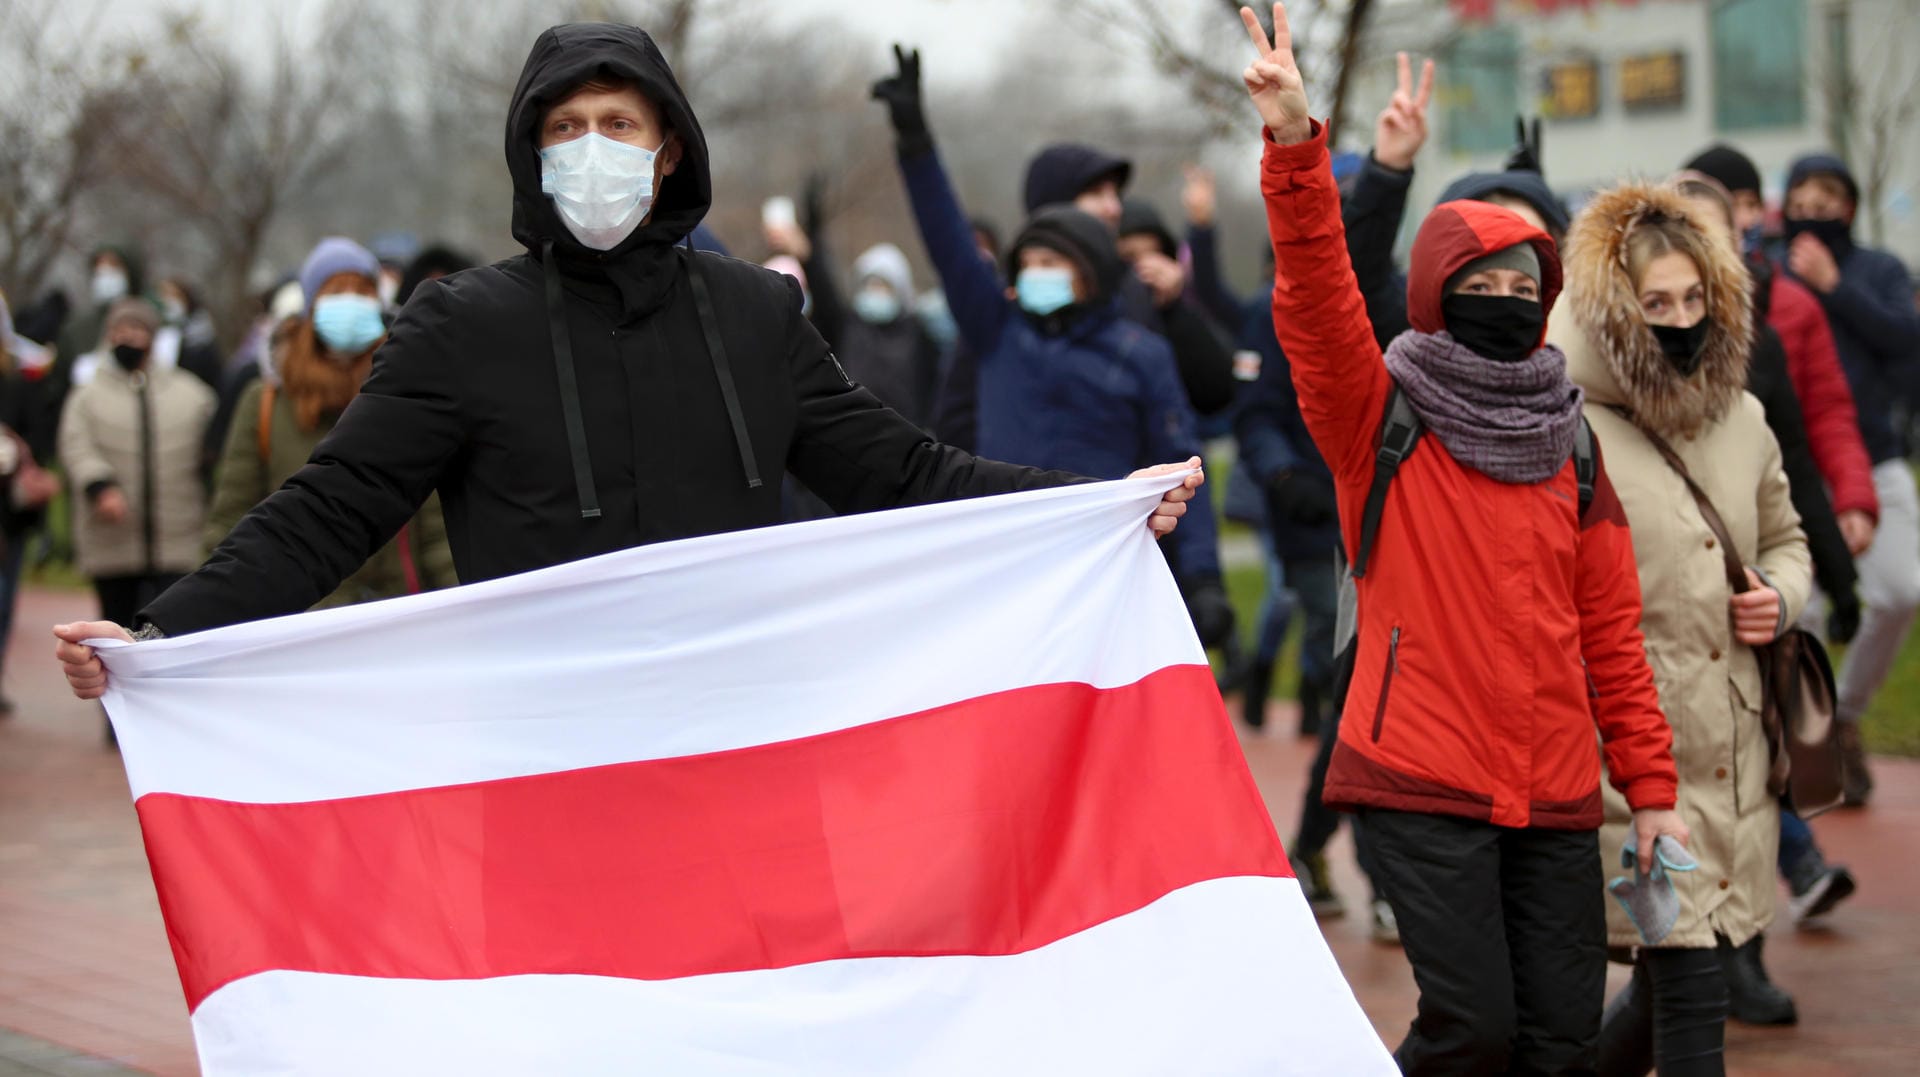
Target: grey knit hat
{"x": 135, "y": 310}
{"x": 1520, "y": 256}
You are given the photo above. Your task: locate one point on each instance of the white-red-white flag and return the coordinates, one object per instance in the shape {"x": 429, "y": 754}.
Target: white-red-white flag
{"x": 947, "y": 790}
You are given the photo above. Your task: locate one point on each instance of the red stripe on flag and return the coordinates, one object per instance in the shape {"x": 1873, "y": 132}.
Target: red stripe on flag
{"x": 994, "y": 825}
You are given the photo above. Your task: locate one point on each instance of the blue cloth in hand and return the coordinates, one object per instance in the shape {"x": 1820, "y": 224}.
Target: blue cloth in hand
{"x": 1649, "y": 899}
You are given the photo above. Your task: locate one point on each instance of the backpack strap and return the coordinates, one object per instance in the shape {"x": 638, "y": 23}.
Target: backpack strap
{"x": 1586, "y": 469}
{"x": 268, "y": 392}
{"x": 1399, "y": 434}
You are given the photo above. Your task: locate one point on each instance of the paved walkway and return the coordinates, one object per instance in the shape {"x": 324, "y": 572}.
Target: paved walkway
{"x": 87, "y": 984}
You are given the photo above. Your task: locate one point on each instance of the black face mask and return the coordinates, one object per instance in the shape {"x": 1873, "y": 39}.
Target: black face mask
{"x": 1503, "y": 328}
{"x": 1836, "y": 235}
{"x": 129, "y": 357}
{"x": 1683, "y": 346}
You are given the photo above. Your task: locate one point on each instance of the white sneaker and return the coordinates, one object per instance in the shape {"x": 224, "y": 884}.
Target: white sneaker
{"x": 1386, "y": 928}
{"x": 1833, "y": 886}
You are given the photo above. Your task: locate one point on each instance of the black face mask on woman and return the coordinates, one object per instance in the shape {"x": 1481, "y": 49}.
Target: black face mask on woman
{"x": 1503, "y": 328}
{"x": 129, "y": 357}
{"x": 1683, "y": 344}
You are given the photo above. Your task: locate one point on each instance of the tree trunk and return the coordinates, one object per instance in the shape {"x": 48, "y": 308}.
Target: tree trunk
{"x": 1351, "y": 32}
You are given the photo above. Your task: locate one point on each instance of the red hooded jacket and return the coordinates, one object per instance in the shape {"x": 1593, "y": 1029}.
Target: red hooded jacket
{"x": 1497, "y": 628}
{"x": 1826, "y": 401}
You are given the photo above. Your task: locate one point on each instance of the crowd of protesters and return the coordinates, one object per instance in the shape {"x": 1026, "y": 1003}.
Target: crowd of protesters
{"x": 1535, "y": 570}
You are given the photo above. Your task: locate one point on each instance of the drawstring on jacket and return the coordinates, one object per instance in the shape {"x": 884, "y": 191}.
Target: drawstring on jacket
{"x": 570, "y": 384}
{"x": 569, "y": 388}
{"x": 717, "y": 352}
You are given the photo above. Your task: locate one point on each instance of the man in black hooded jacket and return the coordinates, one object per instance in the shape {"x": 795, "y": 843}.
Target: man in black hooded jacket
{"x": 584, "y": 397}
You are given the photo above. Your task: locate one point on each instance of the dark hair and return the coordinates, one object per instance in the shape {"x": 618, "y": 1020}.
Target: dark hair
{"x": 434, "y": 261}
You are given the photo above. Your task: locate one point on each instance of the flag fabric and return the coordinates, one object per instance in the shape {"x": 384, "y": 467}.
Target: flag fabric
{"x": 941, "y": 790}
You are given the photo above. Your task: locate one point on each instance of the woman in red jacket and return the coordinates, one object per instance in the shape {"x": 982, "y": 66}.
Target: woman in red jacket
{"x": 1498, "y": 624}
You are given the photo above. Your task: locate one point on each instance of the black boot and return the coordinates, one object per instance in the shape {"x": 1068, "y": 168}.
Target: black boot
{"x": 1755, "y": 1000}
{"x": 1259, "y": 684}
{"x": 1312, "y": 703}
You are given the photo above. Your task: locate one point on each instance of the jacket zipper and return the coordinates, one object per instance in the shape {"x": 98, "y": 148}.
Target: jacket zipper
{"x": 148, "y": 469}
{"x": 1593, "y": 690}
{"x": 1386, "y": 683}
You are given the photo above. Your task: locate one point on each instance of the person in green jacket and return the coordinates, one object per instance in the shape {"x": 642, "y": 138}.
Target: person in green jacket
{"x": 319, "y": 361}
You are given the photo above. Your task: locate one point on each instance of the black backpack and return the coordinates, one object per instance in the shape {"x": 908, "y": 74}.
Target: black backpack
{"x": 1399, "y": 435}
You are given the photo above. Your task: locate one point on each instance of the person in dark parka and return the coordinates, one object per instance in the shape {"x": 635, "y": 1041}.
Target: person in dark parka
{"x": 566, "y": 402}
{"x": 1200, "y": 347}
{"x": 1064, "y": 379}
{"x": 1090, "y": 180}
{"x": 1868, "y": 298}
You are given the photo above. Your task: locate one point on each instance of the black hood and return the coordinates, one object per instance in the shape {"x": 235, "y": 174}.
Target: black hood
{"x": 1815, "y": 164}
{"x": 1526, "y": 186}
{"x": 1081, "y": 237}
{"x": 1138, "y": 217}
{"x": 562, "y": 59}
{"x": 1061, "y": 171}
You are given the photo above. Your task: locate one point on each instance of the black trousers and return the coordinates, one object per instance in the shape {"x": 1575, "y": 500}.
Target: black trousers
{"x": 1671, "y": 1018}
{"x": 123, "y": 597}
{"x": 1506, "y": 931}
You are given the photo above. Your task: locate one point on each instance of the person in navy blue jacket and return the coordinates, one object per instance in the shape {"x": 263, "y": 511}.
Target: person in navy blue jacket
{"x": 1279, "y": 455}
{"x": 1062, "y": 376}
{"x": 1868, "y": 298}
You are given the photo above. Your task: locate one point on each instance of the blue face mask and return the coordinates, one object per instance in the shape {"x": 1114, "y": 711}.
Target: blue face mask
{"x": 348, "y": 324}
{"x": 876, "y": 306}
{"x": 1752, "y": 238}
{"x": 1044, "y": 290}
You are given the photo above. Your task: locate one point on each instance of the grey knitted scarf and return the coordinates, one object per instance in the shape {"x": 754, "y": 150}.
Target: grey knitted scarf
{"x": 1513, "y": 422}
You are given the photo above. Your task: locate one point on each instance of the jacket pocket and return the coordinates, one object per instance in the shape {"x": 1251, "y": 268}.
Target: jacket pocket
{"x": 1386, "y": 683}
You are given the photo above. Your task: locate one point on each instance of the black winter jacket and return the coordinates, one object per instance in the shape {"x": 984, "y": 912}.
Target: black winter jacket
{"x": 465, "y": 397}
{"x": 1767, "y": 379}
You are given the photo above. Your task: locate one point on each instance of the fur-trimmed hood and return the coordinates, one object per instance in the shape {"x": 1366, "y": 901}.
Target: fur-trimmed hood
{"x": 1612, "y": 353}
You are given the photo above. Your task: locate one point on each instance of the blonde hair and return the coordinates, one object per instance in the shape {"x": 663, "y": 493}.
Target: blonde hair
{"x": 1656, "y": 235}
{"x": 1701, "y": 189}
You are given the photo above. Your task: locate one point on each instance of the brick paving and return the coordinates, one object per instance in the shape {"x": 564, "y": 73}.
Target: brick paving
{"x": 87, "y": 984}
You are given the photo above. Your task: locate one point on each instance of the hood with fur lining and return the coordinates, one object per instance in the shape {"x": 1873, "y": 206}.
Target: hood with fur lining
{"x": 1611, "y": 351}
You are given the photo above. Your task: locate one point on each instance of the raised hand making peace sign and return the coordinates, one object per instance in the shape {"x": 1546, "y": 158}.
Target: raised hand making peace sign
{"x": 1402, "y": 128}
{"x": 1274, "y": 81}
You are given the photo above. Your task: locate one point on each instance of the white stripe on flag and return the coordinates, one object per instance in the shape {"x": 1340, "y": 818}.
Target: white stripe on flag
{"x": 1224, "y": 977}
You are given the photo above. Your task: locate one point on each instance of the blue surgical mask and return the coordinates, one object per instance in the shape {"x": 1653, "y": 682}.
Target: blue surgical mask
{"x": 1044, "y": 290}
{"x": 348, "y": 324}
{"x": 602, "y": 189}
{"x": 1753, "y": 237}
{"x": 876, "y": 306}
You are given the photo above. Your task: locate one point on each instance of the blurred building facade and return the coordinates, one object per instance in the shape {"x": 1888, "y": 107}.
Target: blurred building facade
{"x": 1635, "y": 88}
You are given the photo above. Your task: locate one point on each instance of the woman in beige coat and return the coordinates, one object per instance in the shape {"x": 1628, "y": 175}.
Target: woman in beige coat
{"x": 131, "y": 442}
{"x": 1658, "y": 338}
